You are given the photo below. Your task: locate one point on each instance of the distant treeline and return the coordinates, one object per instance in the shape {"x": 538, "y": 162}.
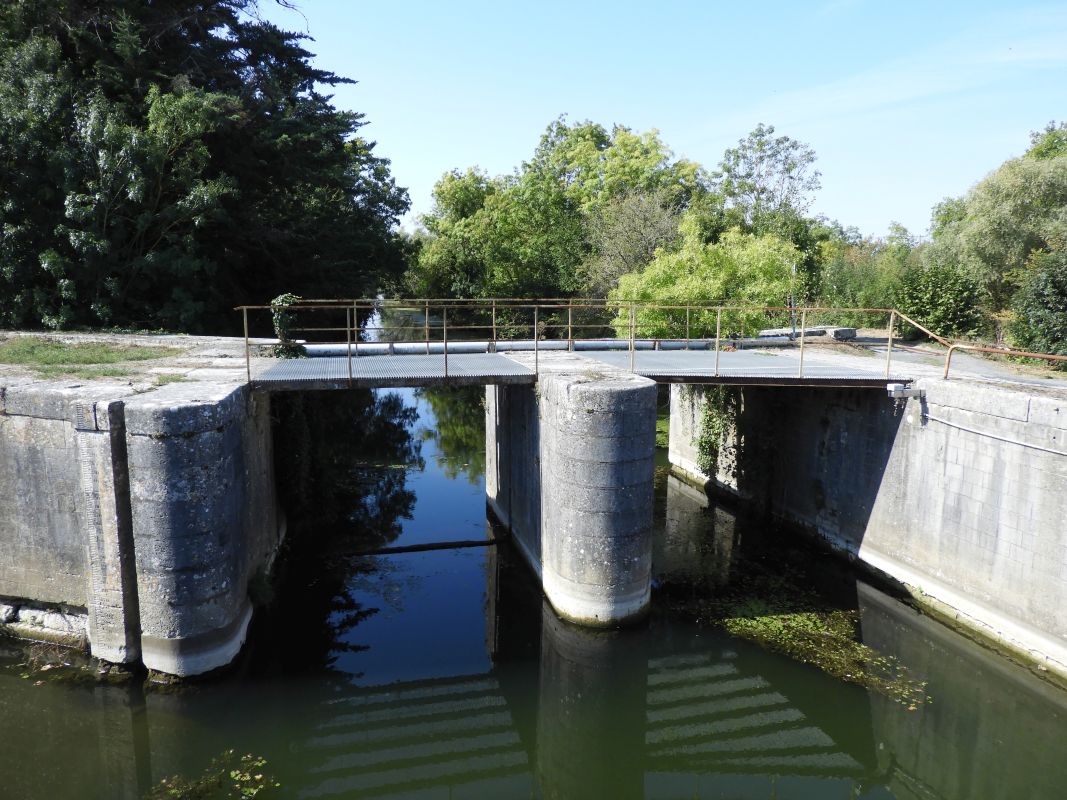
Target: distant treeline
{"x": 600, "y": 213}
{"x": 162, "y": 162}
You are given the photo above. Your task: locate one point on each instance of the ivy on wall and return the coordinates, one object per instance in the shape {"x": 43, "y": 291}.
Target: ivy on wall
{"x": 721, "y": 407}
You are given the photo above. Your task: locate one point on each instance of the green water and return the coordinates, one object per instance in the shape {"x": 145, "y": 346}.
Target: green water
{"x": 444, "y": 675}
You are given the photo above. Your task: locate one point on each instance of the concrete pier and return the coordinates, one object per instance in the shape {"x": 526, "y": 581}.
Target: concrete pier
{"x": 569, "y": 468}
{"x": 132, "y": 519}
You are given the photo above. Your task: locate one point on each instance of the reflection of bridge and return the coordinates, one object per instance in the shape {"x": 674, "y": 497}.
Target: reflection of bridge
{"x": 591, "y": 715}
{"x": 704, "y": 715}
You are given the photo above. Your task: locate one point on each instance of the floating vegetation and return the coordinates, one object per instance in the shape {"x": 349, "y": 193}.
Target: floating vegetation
{"x": 228, "y": 776}
{"x": 775, "y": 609}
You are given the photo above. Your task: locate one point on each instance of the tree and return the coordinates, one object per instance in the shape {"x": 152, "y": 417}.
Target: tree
{"x": 768, "y": 179}
{"x": 865, "y": 273}
{"x": 740, "y": 269}
{"x": 942, "y": 297}
{"x": 625, "y": 233}
{"x": 1049, "y": 143}
{"x": 526, "y": 235}
{"x": 1017, "y": 211}
{"x": 162, "y": 162}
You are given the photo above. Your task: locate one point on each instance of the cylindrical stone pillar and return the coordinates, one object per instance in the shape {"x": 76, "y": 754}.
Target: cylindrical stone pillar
{"x": 598, "y": 440}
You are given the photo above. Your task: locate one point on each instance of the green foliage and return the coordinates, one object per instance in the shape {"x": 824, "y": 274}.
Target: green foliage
{"x": 282, "y": 318}
{"x": 525, "y": 235}
{"x": 865, "y": 274}
{"x": 942, "y": 298}
{"x": 624, "y": 234}
{"x": 163, "y": 161}
{"x": 767, "y": 178}
{"x": 460, "y": 432}
{"x": 228, "y": 776}
{"x": 721, "y": 407}
{"x": 1049, "y": 143}
{"x": 1019, "y": 210}
{"x": 740, "y": 270}
{"x": 1040, "y": 323}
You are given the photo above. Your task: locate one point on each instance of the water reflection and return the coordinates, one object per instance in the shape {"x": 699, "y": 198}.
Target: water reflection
{"x": 445, "y": 673}
{"x": 459, "y": 430}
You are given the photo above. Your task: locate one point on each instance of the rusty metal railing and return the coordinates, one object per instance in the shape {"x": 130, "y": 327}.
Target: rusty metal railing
{"x": 580, "y": 320}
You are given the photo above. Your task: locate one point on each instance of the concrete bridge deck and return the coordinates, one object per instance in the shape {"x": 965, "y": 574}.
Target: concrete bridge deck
{"x": 753, "y": 367}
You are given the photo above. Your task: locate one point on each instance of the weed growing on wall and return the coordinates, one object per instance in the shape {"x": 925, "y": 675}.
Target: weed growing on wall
{"x": 283, "y": 324}
{"x": 721, "y": 406}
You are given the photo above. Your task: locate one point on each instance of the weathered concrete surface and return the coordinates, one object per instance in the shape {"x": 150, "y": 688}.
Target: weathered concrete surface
{"x": 961, "y": 496}
{"x": 968, "y": 742}
{"x": 201, "y": 485}
{"x": 569, "y": 469}
{"x": 133, "y": 516}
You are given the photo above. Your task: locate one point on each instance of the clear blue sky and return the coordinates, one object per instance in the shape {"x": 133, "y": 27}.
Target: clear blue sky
{"x": 905, "y": 102}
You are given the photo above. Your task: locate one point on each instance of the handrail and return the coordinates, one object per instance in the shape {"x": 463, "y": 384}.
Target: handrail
{"x": 915, "y": 324}
{"x": 999, "y": 350}
{"x": 624, "y": 322}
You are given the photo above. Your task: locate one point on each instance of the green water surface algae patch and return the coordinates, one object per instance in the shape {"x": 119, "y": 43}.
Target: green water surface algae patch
{"x": 776, "y": 612}
{"x": 52, "y": 358}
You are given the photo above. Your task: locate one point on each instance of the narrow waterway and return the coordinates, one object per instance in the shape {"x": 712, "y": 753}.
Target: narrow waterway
{"x": 443, "y": 674}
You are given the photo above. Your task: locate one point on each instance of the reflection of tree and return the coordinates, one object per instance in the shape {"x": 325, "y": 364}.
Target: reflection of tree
{"x": 341, "y": 462}
{"x": 460, "y": 432}
{"x": 340, "y": 459}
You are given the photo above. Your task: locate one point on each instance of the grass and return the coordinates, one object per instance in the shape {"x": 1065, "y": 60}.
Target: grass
{"x": 88, "y": 360}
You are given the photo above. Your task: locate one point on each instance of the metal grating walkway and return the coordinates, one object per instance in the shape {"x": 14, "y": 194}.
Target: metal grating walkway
{"x": 747, "y": 367}
{"x": 379, "y": 372}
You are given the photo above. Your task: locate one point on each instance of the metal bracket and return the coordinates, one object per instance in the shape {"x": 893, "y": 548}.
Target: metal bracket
{"x": 900, "y": 391}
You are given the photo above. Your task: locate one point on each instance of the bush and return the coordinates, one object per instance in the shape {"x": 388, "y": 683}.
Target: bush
{"x": 1040, "y": 306}
{"x": 943, "y": 299}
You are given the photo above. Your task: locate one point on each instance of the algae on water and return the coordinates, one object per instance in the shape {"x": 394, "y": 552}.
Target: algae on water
{"x": 777, "y": 611}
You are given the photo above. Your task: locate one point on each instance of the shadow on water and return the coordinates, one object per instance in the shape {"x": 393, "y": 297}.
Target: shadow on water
{"x": 446, "y": 674}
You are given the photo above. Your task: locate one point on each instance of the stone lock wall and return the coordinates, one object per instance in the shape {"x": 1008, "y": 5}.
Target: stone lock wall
{"x": 133, "y": 522}
{"x": 960, "y": 496}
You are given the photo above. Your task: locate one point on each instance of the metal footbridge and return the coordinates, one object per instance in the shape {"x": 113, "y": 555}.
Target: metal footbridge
{"x": 412, "y": 343}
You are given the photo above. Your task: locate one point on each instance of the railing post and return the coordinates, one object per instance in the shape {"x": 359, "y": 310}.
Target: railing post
{"x": 444, "y": 335}
{"x": 889, "y": 348}
{"x": 803, "y": 328}
{"x": 570, "y": 325}
{"x": 350, "y": 316}
{"x": 355, "y": 327}
{"x": 948, "y": 360}
{"x": 687, "y": 338}
{"x": 494, "y": 326}
{"x": 248, "y": 355}
{"x": 718, "y": 333}
{"x": 537, "y": 366}
{"x": 426, "y": 326}
{"x": 633, "y": 335}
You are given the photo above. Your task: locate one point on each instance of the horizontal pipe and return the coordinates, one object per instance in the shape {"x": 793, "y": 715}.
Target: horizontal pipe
{"x": 521, "y": 345}
{"x": 421, "y": 548}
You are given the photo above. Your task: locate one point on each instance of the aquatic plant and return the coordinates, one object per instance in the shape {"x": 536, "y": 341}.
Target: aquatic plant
{"x": 778, "y": 612}
{"x": 227, "y": 776}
